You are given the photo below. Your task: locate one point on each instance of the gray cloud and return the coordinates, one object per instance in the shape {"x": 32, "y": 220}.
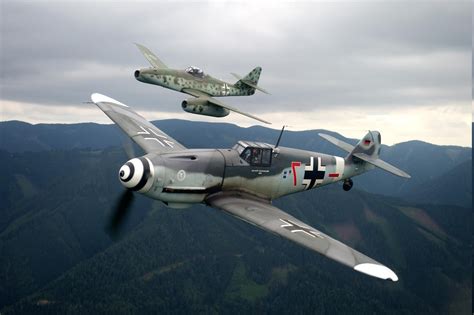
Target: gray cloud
{"x": 313, "y": 55}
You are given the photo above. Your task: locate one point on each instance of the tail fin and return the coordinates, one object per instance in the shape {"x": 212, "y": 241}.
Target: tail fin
{"x": 368, "y": 150}
{"x": 369, "y": 145}
{"x": 250, "y": 80}
{"x": 253, "y": 76}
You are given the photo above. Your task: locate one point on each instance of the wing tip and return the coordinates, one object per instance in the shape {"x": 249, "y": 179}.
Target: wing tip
{"x": 100, "y": 98}
{"x": 378, "y": 271}
{"x": 139, "y": 45}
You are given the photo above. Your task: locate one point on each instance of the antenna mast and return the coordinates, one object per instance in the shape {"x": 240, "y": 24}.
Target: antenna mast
{"x": 279, "y": 137}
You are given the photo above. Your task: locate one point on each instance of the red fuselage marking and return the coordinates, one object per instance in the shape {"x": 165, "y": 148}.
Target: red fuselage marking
{"x": 293, "y": 166}
{"x": 334, "y": 175}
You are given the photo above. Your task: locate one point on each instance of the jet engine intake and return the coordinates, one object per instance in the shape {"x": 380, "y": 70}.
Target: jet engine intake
{"x": 203, "y": 107}
{"x": 137, "y": 174}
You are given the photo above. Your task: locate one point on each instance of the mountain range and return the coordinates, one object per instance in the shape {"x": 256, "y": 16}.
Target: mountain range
{"x": 59, "y": 182}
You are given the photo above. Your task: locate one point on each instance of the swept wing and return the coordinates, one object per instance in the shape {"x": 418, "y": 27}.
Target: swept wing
{"x": 262, "y": 214}
{"x": 151, "y": 57}
{"x": 214, "y": 101}
{"x": 146, "y": 135}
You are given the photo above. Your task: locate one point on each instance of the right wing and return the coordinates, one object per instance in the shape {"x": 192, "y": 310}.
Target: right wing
{"x": 265, "y": 216}
{"x": 214, "y": 101}
{"x": 146, "y": 135}
{"x": 151, "y": 57}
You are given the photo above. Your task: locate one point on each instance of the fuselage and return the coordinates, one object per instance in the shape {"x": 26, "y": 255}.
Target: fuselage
{"x": 178, "y": 80}
{"x": 183, "y": 178}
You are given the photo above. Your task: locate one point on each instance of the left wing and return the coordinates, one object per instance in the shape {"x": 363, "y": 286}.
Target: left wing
{"x": 151, "y": 57}
{"x": 206, "y": 97}
{"x": 145, "y": 134}
{"x": 262, "y": 214}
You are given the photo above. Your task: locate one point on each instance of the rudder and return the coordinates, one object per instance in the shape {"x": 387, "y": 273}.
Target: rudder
{"x": 368, "y": 150}
{"x": 253, "y": 76}
{"x": 370, "y": 144}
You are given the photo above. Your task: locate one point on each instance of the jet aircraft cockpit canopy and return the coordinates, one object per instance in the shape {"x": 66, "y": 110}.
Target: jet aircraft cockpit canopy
{"x": 195, "y": 71}
{"x": 255, "y": 153}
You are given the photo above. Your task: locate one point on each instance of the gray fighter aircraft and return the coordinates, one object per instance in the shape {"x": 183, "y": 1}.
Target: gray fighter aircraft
{"x": 242, "y": 181}
{"x": 202, "y": 86}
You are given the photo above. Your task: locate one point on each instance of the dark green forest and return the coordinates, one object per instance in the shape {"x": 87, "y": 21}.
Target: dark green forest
{"x": 60, "y": 181}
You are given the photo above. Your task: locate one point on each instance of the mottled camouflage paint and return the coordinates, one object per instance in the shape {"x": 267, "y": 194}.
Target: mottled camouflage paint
{"x": 179, "y": 79}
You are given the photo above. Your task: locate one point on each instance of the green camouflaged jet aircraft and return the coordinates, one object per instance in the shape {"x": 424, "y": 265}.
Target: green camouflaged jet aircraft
{"x": 243, "y": 180}
{"x": 202, "y": 86}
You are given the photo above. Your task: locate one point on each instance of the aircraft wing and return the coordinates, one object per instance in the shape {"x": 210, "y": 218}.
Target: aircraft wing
{"x": 145, "y": 134}
{"x": 151, "y": 57}
{"x": 265, "y": 216}
{"x": 214, "y": 101}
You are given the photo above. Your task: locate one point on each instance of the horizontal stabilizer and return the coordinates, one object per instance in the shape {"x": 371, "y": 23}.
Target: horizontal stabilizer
{"x": 247, "y": 82}
{"x": 339, "y": 143}
{"x": 381, "y": 164}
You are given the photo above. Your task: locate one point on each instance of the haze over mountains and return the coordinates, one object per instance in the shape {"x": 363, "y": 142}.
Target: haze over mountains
{"x": 59, "y": 182}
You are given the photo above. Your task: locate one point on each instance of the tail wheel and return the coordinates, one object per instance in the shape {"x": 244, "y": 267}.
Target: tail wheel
{"x": 348, "y": 183}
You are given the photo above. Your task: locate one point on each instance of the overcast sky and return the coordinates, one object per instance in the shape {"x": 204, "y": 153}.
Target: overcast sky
{"x": 403, "y": 68}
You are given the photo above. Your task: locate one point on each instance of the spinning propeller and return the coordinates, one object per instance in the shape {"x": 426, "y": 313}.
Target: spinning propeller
{"x": 135, "y": 175}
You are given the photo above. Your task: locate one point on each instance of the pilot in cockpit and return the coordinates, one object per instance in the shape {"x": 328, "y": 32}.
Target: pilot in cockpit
{"x": 195, "y": 71}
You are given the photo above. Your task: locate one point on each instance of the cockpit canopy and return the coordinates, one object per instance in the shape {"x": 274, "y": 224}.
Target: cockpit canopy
{"x": 255, "y": 153}
{"x": 195, "y": 71}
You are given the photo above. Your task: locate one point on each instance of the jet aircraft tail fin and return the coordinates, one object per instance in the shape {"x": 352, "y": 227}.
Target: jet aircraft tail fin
{"x": 250, "y": 80}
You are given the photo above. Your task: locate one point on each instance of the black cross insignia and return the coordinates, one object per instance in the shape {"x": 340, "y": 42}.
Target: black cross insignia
{"x": 313, "y": 174}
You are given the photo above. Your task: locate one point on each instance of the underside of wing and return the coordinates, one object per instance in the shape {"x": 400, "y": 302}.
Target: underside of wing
{"x": 145, "y": 134}
{"x": 264, "y": 215}
{"x": 214, "y": 101}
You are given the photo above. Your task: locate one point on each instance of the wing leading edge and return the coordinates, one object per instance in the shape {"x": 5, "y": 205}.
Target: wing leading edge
{"x": 206, "y": 97}
{"x": 151, "y": 57}
{"x": 145, "y": 134}
{"x": 272, "y": 219}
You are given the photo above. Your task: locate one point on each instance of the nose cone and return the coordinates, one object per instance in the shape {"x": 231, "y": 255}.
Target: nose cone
{"x": 137, "y": 174}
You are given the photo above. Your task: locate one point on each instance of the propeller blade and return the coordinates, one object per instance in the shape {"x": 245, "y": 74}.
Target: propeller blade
{"x": 128, "y": 148}
{"x": 120, "y": 211}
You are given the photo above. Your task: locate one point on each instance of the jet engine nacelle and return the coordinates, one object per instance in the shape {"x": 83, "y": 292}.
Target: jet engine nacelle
{"x": 203, "y": 107}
